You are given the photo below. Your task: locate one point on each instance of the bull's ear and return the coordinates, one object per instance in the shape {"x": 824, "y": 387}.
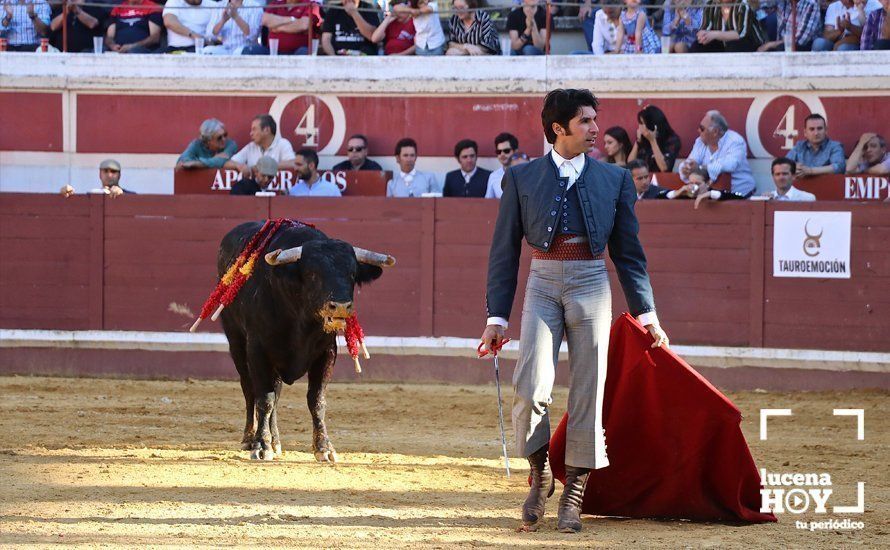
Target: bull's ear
{"x": 367, "y": 273}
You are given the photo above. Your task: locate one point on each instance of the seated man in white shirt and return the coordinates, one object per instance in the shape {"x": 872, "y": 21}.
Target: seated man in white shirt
{"x": 783, "y": 170}
{"x": 264, "y": 141}
{"x": 408, "y": 181}
{"x": 187, "y": 20}
{"x": 505, "y": 145}
{"x": 310, "y": 183}
{"x": 719, "y": 149}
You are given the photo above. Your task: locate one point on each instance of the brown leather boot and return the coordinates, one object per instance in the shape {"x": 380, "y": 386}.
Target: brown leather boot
{"x": 542, "y": 487}
{"x": 569, "y": 512}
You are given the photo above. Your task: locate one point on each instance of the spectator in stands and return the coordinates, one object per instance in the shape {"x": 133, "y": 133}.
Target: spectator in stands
{"x": 817, "y": 154}
{"x": 783, "y": 170}
{"x": 639, "y": 171}
{"x": 587, "y": 16}
{"x": 310, "y": 183}
{"x": 720, "y": 150}
{"x": 809, "y": 23}
{"x": 469, "y": 180}
{"x": 681, "y": 22}
{"x": 186, "y": 20}
{"x": 109, "y": 177}
{"x": 289, "y": 24}
{"x": 84, "y": 23}
{"x": 396, "y": 31}
{"x": 505, "y": 144}
{"x": 471, "y": 31}
{"x": 635, "y": 34}
{"x": 408, "y": 181}
{"x": 527, "y": 27}
{"x": 134, "y": 27}
{"x": 657, "y": 143}
{"x": 728, "y": 26}
{"x": 844, "y": 20}
{"x": 23, "y": 23}
{"x": 870, "y": 156}
{"x": 211, "y": 149}
{"x": 348, "y": 31}
{"x": 261, "y": 176}
{"x": 234, "y": 27}
{"x": 603, "y": 31}
{"x": 429, "y": 38}
{"x": 357, "y": 156}
{"x": 616, "y": 146}
{"x": 263, "y": 141}
{"x": 876, "y": 32}
{"x": 700, "y": 186}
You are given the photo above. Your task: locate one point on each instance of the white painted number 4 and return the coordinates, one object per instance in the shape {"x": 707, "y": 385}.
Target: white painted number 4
{"x": 788, "y": 132}
{"x": 306, "y": 127}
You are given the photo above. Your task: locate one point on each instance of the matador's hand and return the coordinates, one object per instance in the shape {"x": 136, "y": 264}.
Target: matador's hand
{"x": 660, "y": 336}
{"x": 492, "y": 335}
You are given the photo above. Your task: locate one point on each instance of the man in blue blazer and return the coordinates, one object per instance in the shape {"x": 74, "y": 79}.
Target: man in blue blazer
{"x": 469, "y": 180}
{"x": 568, "y": 207}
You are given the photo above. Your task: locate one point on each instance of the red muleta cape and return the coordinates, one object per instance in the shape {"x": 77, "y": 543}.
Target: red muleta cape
{"x": 675, "y": 446}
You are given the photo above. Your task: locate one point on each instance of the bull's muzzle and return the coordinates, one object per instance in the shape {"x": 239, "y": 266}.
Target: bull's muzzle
{"x": 334, "y": 315}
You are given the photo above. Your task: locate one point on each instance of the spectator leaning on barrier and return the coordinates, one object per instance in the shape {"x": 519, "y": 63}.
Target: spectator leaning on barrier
{"x": 876, "y": 32}
{"x": 357, "y": 155}
{"x": 310, "y": 183}
{"x": 504, "y": 145}
{"x": 616, "y": 146}
{"x": 135, "y": 27}
{"x": 210, "y": 150}
{"x": 289, "y": 25}
{"x": 681, "y": 22}
{"x": 348, "y": 31}
{"x": 84, "y": 23}
{"x": 657, "y": 143}
{"x": 844, "y": 20}
{"x": 429, "y": 38}
{"x": 396, "y": 32}
{"x": 408, "y": 181}
{"x": 635, "y": 34}
{"x": 469, "y": 180}
{"x": 109, "y": 177}
{"x": 234, "y": 27}
{"x": 817, "y": 154}
{"x": 870, "y": 156}
{"x": 639, "y": 171}
{"x": 527, "y": 27}
{"x": 720, "y": 150}
{"x": 809, "y": 23}
{"x": 187, "y": 20}
{"x": 23, "y": 23}
{"x": 783, "y": 170}
{"x": 728, "y": 26}
{"x": 262, "y": 174}
{"x": 471, "y": 31}
{"x": 263, "y": 141}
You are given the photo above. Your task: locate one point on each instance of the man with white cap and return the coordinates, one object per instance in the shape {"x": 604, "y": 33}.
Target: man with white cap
{"x": 109, "y": 176}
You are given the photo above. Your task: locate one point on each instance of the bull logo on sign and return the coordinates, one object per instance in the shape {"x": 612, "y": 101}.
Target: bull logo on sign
{"x": 812, "y": 243}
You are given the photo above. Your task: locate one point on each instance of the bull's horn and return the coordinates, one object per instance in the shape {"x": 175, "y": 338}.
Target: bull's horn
{"x": 289, "y": 256}
{"x": 374, "y": 258}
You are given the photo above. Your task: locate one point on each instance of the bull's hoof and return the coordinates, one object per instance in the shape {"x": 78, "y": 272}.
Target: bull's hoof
{"x": 276, "y": 446}
{"x": 261, "y": 453}
{"x": 328, "y": 455}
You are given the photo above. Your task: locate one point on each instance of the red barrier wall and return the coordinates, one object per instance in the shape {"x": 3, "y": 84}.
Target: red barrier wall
{"x": 148, "y": 263}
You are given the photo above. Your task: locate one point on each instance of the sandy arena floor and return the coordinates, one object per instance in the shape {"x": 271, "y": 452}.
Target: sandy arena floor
{"x": 112, "y": 463}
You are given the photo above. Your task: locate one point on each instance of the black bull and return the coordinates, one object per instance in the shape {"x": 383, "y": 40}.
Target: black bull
{"x": 282, "y": 324}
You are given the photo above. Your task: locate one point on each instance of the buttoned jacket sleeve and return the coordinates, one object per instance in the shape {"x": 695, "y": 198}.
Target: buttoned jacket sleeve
{"x": 627, "y": 253}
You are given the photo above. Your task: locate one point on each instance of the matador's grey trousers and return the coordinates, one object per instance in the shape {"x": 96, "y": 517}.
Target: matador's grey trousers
{"x": 570, "y": 298}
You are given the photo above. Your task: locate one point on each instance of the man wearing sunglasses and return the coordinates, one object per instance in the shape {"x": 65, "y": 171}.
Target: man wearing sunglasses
{"x": 505, "y": 145}
{"x": 357, "y": 156}
{"x": 720, "y": 150}
{"x": 210, "y": 150}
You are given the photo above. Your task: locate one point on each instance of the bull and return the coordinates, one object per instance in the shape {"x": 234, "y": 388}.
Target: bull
{"x": 283, "y": 324}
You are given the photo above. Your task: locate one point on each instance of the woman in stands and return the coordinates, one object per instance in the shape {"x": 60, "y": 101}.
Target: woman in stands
{"x": 616, "y": 146}
{"x": 635, "y": 34}
{"x": 396, "y": 31}
{"x": 729, "y": 26}
{"x": 657, "y": 143}
{"x": 471, "y": 31}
